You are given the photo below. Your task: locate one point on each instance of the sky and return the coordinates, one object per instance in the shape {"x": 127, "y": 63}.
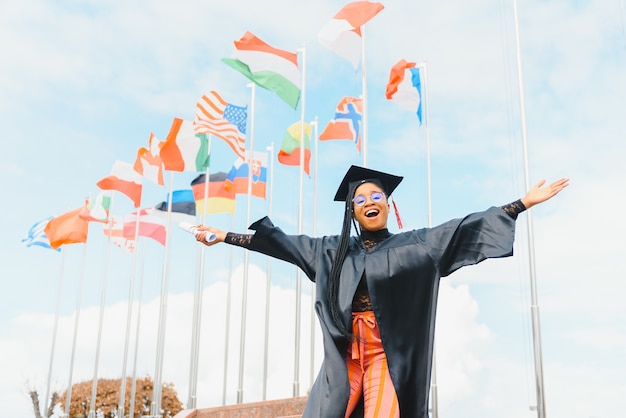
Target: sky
{"x": 83, "y": 84}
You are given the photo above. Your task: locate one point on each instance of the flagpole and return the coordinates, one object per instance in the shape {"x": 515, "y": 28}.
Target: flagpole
{"x": 364, "y": 98}
{"x": 157, "y": 389}
{"x": 434, "y": 387}
{"x": 270, "y": 149}
{"x": 541, "y": 406}
{"x": 244, "y": 297}
{"x": 54, "y": 334}
{"x": 314, "y": 123}
{"x": 129, "y": 313}
{"x": 197, "y": 301}
{"x": 94, "y": 383}
{"x": 296, "y": 361}
{"x": 133, "y": 387}
{"x": 76, "y": 319}
{"x": 228, "y": 298}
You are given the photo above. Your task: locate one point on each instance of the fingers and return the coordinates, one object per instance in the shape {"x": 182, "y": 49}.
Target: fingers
{"x": 561, "y": 183}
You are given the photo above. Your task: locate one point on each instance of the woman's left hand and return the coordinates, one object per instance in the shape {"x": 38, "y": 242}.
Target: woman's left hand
{"x": 540, "y": 194}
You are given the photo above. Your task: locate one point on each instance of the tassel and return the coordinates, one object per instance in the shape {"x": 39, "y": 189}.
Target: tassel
{"x": 395, "y": 209}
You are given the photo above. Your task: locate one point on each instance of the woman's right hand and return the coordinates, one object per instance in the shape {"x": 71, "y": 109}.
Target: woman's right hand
{"x": 203, "y": 231}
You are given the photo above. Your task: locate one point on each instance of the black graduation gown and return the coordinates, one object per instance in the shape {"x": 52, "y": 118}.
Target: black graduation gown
{"x": 402, "y": 273}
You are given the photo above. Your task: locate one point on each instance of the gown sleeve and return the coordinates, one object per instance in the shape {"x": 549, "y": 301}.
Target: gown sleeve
{"x": 514, "y": 208}
{"x": 470, "y": 240}
{"x": 270, "y": 240}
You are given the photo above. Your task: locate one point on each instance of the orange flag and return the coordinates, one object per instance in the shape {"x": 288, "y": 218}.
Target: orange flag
{"x": 68, "y": 228}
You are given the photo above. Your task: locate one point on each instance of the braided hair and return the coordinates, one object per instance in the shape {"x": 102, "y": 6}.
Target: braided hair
{"x": 342, "y": 250}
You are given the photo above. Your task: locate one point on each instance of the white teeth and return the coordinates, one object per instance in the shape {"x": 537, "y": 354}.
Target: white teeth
{"x": 372, "y": 212}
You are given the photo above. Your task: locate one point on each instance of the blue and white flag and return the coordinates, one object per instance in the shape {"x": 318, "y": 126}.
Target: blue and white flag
{"x": 37, "y": 236}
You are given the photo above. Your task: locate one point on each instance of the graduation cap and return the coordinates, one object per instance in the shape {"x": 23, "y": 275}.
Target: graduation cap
{"x": 358, "y": 174}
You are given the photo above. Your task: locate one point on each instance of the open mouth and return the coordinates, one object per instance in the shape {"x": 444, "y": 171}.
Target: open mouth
{"x": 371, "y": 213}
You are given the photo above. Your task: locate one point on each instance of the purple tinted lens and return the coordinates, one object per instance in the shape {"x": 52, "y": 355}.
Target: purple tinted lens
{"x": 359, "y": 200}
{"x": 376, "y": 196}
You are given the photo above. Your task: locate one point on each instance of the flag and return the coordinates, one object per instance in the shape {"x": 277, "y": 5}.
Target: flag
{"x": 148, "y": 162}
{"x": 97, "y": 210}
{"x": 342, "y": 34}
{"x": 215, "y": 116}
{"x": 68, "y": 228}
{"x": 271, "y": 68}
{"x": 124, "y": 179}
{"x": 347, "y": 122}
{"x": 182, "y": 202}
{"x": 184, "y": 150}
{"x": 114, "y": 230}
{"x": 151, "y": 225}
{"x": 218, "y": 199}
{"x": 289, "y": 153}
{"x": 237, "y": 179}
{"x": 37, "y": 236}
{"x": 404, "y": 87}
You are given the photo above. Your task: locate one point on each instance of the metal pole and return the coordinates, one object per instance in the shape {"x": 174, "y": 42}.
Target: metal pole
{"x": 94, "y": 383}
{"x": 364, "y": 124}
{"x": 54, "y": 335}
{"x": 268, "y": 282}
{"x": 129, "y": 312}
{"x": 434, "y": 387}
{"x": 244, "y": 296}
{"x": 227, "y": 322}
{"x": 313, "y": 288}
{"x": 540, "y": 407}
{"x": 158, "y": 374}
{"x": 197, "y": 302}
{"x": 133, "y": 386}
{"x": 76, "y": 319}
{"x": 296, "y": 357}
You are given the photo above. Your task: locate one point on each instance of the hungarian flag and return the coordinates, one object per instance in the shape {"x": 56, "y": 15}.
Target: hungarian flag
{"x": 289, "y": 153}
{"x": 271, "y": 68}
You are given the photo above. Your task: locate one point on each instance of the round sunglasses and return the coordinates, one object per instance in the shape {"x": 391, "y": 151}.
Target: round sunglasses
{"x": 374, "y": 196}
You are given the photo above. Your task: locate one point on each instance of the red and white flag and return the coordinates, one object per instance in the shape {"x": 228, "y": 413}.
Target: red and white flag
{"x": 125, "y": 180}
{"x": 342, "y": 34}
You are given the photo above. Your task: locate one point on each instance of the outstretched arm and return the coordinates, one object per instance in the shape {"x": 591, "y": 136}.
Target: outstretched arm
{"x": 300, "y": 250}
{"x": 539, "y": 193}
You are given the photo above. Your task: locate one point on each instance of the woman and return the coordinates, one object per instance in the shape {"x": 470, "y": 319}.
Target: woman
{"x": 376, "y": 293}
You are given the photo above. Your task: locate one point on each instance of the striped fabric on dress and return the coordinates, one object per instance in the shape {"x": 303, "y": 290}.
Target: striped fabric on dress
{"x": 368, "y": 372}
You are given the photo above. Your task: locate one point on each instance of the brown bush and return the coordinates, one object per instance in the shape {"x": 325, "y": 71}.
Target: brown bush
{"x": 108, "y": 396}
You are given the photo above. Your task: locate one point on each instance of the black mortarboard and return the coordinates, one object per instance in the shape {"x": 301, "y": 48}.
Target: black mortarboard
{"x": 361, "y": 175}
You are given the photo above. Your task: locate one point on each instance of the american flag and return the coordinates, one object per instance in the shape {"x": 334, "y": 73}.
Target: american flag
{"x": 217, "y": 117}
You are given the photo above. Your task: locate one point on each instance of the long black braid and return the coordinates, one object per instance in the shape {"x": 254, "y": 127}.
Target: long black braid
{"x": 342, "y": 251}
